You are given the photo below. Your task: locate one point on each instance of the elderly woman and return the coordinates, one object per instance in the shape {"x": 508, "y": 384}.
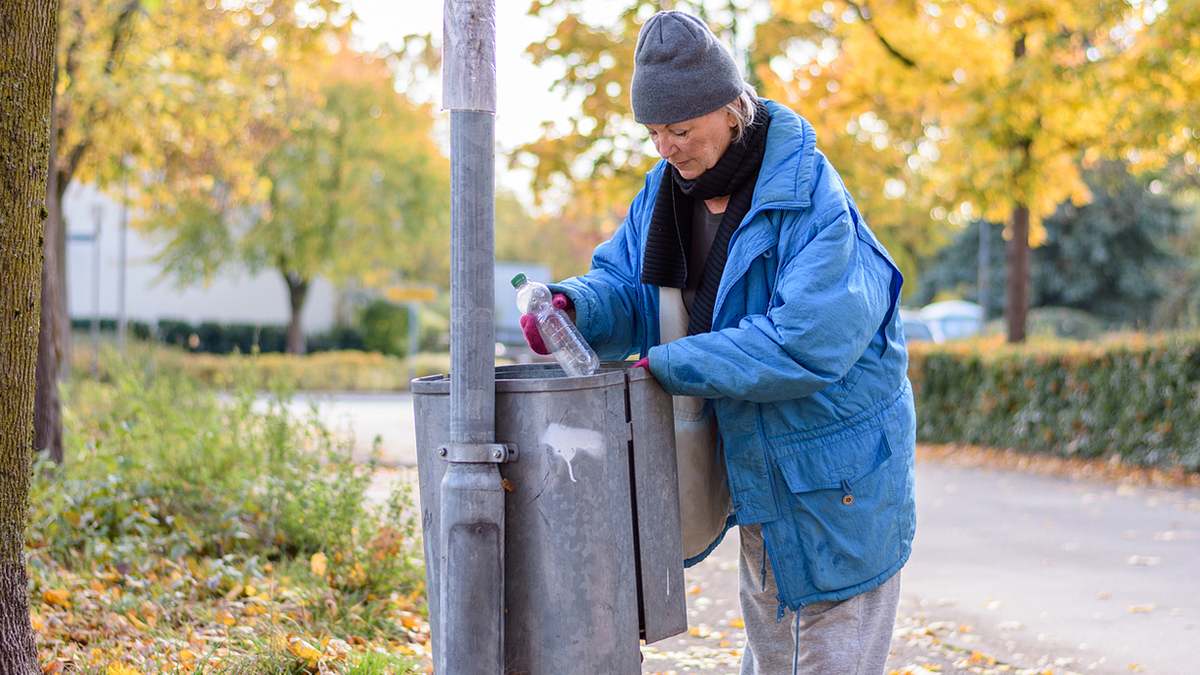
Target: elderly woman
{"x": 755, "y": 293}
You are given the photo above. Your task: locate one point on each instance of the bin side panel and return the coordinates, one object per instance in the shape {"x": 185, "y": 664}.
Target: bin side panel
{"x": 432, "y": 413}
{"x": 570, "y": 588}
{"x": 656, "y": 491}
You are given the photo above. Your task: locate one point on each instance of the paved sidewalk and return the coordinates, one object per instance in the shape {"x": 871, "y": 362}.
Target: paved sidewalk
{"x": 1011, "y": 571}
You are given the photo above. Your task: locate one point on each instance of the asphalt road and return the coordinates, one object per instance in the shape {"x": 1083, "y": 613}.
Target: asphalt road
{"x": 1107, "y": 575}
{"x": 1037, "y": 572}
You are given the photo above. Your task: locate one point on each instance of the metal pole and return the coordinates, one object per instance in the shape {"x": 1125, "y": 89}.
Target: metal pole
{"x": 98, "y": 214}
{"x": 121, "y": 319}
{"x": 984, "y": 278}
{"x": 471, "y": 635}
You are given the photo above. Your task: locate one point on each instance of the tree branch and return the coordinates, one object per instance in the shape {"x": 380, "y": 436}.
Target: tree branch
{"x": 120, "y": 33}
{"x": 121, "y": 30}
{"x": 864, "y": 13}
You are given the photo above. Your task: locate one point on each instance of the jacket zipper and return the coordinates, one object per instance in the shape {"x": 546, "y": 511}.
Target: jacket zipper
{"x": 745, "y": 266}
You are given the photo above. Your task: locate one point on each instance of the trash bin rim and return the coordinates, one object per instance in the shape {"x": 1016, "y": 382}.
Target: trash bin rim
{"x": 610, "y": 374}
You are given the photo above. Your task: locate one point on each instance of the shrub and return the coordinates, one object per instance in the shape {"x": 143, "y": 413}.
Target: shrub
{"x": 1129, "y": 397}
{"x": 138, "y": 330}
{"x": 323, "y": 371}
{"x": 384, "y": 327}
{"x": 1051, "y": 322}
{"x": 338, "y": 338}
{"x": 164, "y": 466}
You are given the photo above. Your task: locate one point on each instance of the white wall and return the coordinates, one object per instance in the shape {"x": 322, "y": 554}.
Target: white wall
{"x": 508, "y": 319}
{"x": 233, "y": 295}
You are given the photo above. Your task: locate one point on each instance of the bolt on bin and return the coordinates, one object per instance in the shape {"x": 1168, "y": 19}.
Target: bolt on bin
{"x": 593, "y": 560}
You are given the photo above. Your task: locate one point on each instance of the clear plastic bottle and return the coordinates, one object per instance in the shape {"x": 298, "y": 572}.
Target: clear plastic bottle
{"x": 562, "y": 338}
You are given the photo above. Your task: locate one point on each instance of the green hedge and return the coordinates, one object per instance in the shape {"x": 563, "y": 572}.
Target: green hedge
{"x": 1130, "y": 397}
{"x": 224, "y": 338}
{"x": 210, "y": 337}
{"x": 139, "y": 330}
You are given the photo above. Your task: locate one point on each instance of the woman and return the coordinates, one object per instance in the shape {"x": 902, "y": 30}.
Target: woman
{"x": 755, "y": 293}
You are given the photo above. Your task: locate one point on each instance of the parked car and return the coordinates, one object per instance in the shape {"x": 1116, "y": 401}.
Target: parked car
{"x": 915, "y": 329}
{"x": 941, "y": 321}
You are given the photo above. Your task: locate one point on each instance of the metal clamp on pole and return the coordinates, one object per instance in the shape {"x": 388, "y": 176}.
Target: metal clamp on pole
{"x": 478, "y": 453}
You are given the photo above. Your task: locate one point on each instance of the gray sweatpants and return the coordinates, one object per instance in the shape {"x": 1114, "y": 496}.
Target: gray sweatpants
{"x": 849, "y": 637}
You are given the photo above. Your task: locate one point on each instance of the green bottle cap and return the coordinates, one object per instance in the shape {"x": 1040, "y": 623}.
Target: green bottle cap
{"x": 518, "y": 280}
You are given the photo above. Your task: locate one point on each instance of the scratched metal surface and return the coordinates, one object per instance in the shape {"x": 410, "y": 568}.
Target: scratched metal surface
{"x": 571, "y": 592}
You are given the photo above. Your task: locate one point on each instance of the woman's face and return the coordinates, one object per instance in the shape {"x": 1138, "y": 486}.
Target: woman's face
{"x": 694, "y": 146}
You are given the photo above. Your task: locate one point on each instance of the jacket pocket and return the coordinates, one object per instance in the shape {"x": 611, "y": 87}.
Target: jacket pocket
{"x": 841, "y": 506}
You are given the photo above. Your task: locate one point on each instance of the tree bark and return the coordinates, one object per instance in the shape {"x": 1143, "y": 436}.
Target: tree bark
{"x": 52, "y": 336}
{"x": 52, "y": 346}
{"x": 54, "y": 330}
{"x": 27, "y": 56}
{"x": 297, "y": 294}
{"x": 1017, "y": 306}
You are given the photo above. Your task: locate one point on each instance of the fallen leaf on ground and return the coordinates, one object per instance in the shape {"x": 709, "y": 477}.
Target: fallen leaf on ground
{"x": 299, "y": 647}
{"x": 318, "y": 564}
{"x": 57, "y": 596}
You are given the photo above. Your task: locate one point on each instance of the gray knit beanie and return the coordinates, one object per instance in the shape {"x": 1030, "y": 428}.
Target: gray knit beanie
{"x": 680, "y": 70}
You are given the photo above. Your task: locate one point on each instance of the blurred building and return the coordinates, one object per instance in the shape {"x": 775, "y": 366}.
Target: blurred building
{"x": 233, "y": 296}
{"x": 507, "y": 318}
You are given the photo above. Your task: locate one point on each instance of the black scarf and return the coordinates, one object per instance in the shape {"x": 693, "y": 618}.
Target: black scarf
{"x": 668, "y": 241}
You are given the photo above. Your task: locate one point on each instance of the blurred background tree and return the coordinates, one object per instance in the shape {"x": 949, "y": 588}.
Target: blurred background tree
{"x": 150, "y": 86}
{"x": 935, "y": 113}
{"x": 1112, "y": 258}
{"x": 347, "y": 184}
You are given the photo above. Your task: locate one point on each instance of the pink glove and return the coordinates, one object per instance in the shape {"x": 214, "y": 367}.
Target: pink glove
{"x": 643, "y": 363}
{"x": 529, "y": 327}
{"x": 533, "y": 337}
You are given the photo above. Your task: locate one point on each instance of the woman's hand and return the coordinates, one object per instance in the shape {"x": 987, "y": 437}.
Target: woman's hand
{"x": 561, "y": 301}
{"x": 529, "y": 327}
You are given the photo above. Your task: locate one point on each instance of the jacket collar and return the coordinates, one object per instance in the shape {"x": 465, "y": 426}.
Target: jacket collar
{"x": 785, "y": 178}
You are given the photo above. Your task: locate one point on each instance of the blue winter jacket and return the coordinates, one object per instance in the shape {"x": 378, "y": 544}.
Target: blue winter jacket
{"x": 805, "y": 368}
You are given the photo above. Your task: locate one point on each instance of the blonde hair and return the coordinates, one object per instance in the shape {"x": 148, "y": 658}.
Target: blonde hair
{"x": 742, "y": 108}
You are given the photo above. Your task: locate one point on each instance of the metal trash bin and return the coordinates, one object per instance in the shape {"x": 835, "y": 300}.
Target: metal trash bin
{"x": 593, "y": 557}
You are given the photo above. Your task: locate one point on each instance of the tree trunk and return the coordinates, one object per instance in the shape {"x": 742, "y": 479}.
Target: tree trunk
{"x": 1017, "y": 307}
{"x": 62, "y": 318}
{"x": 27, "y": 39}
{"x": 297, "y": 294}
{"x": 54, "y": 330}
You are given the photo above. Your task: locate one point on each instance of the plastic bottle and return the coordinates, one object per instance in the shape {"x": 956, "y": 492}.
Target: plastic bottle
{"x": 562, "y": 338}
